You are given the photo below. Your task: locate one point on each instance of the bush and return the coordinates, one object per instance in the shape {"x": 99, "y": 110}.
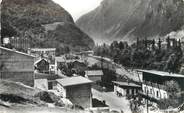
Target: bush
{"x": 47, "y": 97}
{"x": 12, "y": 98}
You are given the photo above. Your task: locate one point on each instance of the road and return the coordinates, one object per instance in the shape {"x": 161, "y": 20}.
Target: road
{"x": 114, "y": 102}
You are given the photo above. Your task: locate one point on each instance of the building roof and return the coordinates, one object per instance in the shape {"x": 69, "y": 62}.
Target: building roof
{"x": 72, "y": 81}
{"x": 126, "y": 84}
{"x": 43, "y": 49}
{"x": 60, "y": 59}
{"x": 64, "y": 59}
{"x": 11, "y": 50}
{"x": 39, "y": 60}
{"x": 94, "y": 72}
{"x": 162, "y": 73}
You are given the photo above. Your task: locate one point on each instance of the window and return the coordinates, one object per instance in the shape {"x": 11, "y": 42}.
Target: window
{"x": 50, "y": 85}
{"x": 165, "y": 95}
{"x": 145, "y": 89}
{"x": 137, "y": 91}
{"x": 133, "y": 92}
{"x": 157, "y": 95}
{"x": 151, "y": 91}
{"x": 127, "y": 91}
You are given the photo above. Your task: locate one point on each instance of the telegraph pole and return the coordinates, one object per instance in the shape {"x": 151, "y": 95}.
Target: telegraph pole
{"x": 147, "y": 107}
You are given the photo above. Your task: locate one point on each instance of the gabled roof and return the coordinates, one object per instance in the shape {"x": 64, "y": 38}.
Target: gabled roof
{"x": 39, "y": 60}
{"x": 94, "y": 72}
{"x": 60, "y": 59}
{"x": 72, "y": 81}
{"x": 11, "y": 50}
{"x": 126, "y": 84}
{"x": 162, "y": 73}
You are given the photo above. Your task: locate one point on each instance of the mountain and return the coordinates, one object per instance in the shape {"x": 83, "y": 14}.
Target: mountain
{"x": 45, "y": 23}
{"x": 129, "y": 19}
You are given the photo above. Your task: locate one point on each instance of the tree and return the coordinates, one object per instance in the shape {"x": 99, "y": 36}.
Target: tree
{"x": 153, "y": 44}
{"x": 173, "y": 88}
{"x": 159, "y": 44}
{"x": 121, "y": 45}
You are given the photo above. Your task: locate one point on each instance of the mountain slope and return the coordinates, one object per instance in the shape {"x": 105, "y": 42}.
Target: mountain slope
{"x": 32, "y": 18}
{"x": 128, "y": 19}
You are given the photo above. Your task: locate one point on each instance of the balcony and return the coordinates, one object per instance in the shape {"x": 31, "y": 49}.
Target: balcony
{"x": 155, "y": 85}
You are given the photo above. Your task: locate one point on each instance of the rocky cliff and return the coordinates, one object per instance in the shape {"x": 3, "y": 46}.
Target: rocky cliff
{"x": 45, "y": 23}
{"x": 129, "y": 19}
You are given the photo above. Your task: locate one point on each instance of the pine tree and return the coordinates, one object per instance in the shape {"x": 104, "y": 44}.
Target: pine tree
{"x": 159, "y": 44}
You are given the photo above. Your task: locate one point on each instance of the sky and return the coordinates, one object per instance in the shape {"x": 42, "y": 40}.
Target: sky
{"x": 78, "y": 8}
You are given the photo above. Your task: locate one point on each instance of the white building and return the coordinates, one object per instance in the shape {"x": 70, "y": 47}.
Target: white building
{"x": 77, "y": 90}
{"x": 94, "y": 75}
{"x": 153, "y": 83}
{"x": 126, "y": 88}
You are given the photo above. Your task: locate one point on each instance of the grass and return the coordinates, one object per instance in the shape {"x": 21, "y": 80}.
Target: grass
{"x": 8, "y": 87}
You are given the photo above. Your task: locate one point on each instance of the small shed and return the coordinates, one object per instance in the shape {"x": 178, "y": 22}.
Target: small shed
{"x": 77, "y": 90}
{"x": 126, "y": 88}
{"x": 94, "y": 75}
{"x": 42, "y": 65}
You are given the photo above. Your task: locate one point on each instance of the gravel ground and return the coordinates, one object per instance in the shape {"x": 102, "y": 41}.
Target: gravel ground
{"x": 37, "y": 110}
{"x": 114, "y": 102}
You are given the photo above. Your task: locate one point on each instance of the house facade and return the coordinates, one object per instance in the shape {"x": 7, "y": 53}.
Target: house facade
{"x": 94, "y": 75}
{"x": 48, "y": 53}
{"x": 42, "y": 66}
{"x": 126, "y": 88}
{"x": 153, "y": 84}
{"x": 65, "y": 59}
{"x": 77, "y": 90}
{"x": 18, "y": 42}
{"x": 16, "y": 66}
{"x": 45, "y": 81}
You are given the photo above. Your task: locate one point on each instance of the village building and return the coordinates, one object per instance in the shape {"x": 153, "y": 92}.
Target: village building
{"x": 77, "y": 90}
{"x": 84, "y": 54}
{"x": 18, "y": 43}
{"x": 52, "y": 68}
{"x": 59, "y": 61}
{"x": 42, "y": 66}
{"x": 48, "y": 53}
{"x": 94, "y": 75}
{"x": 171, "y": 43}
{"x": 16, "y": 66}
{"x": 45, "y": 81}
{"x": 126, "y": 88}
{"x": 153, "y": 84}
{"x": 65, "y": 59}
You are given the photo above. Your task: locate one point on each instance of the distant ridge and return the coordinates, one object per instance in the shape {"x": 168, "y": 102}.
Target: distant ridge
{"x": 36, "y": 20}
{"x": 129, "y": 19}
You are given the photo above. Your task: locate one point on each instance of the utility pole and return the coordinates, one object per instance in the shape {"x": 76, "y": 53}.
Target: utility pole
{"x": 102, "y": 31}
{"x": 147, "y": 107}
